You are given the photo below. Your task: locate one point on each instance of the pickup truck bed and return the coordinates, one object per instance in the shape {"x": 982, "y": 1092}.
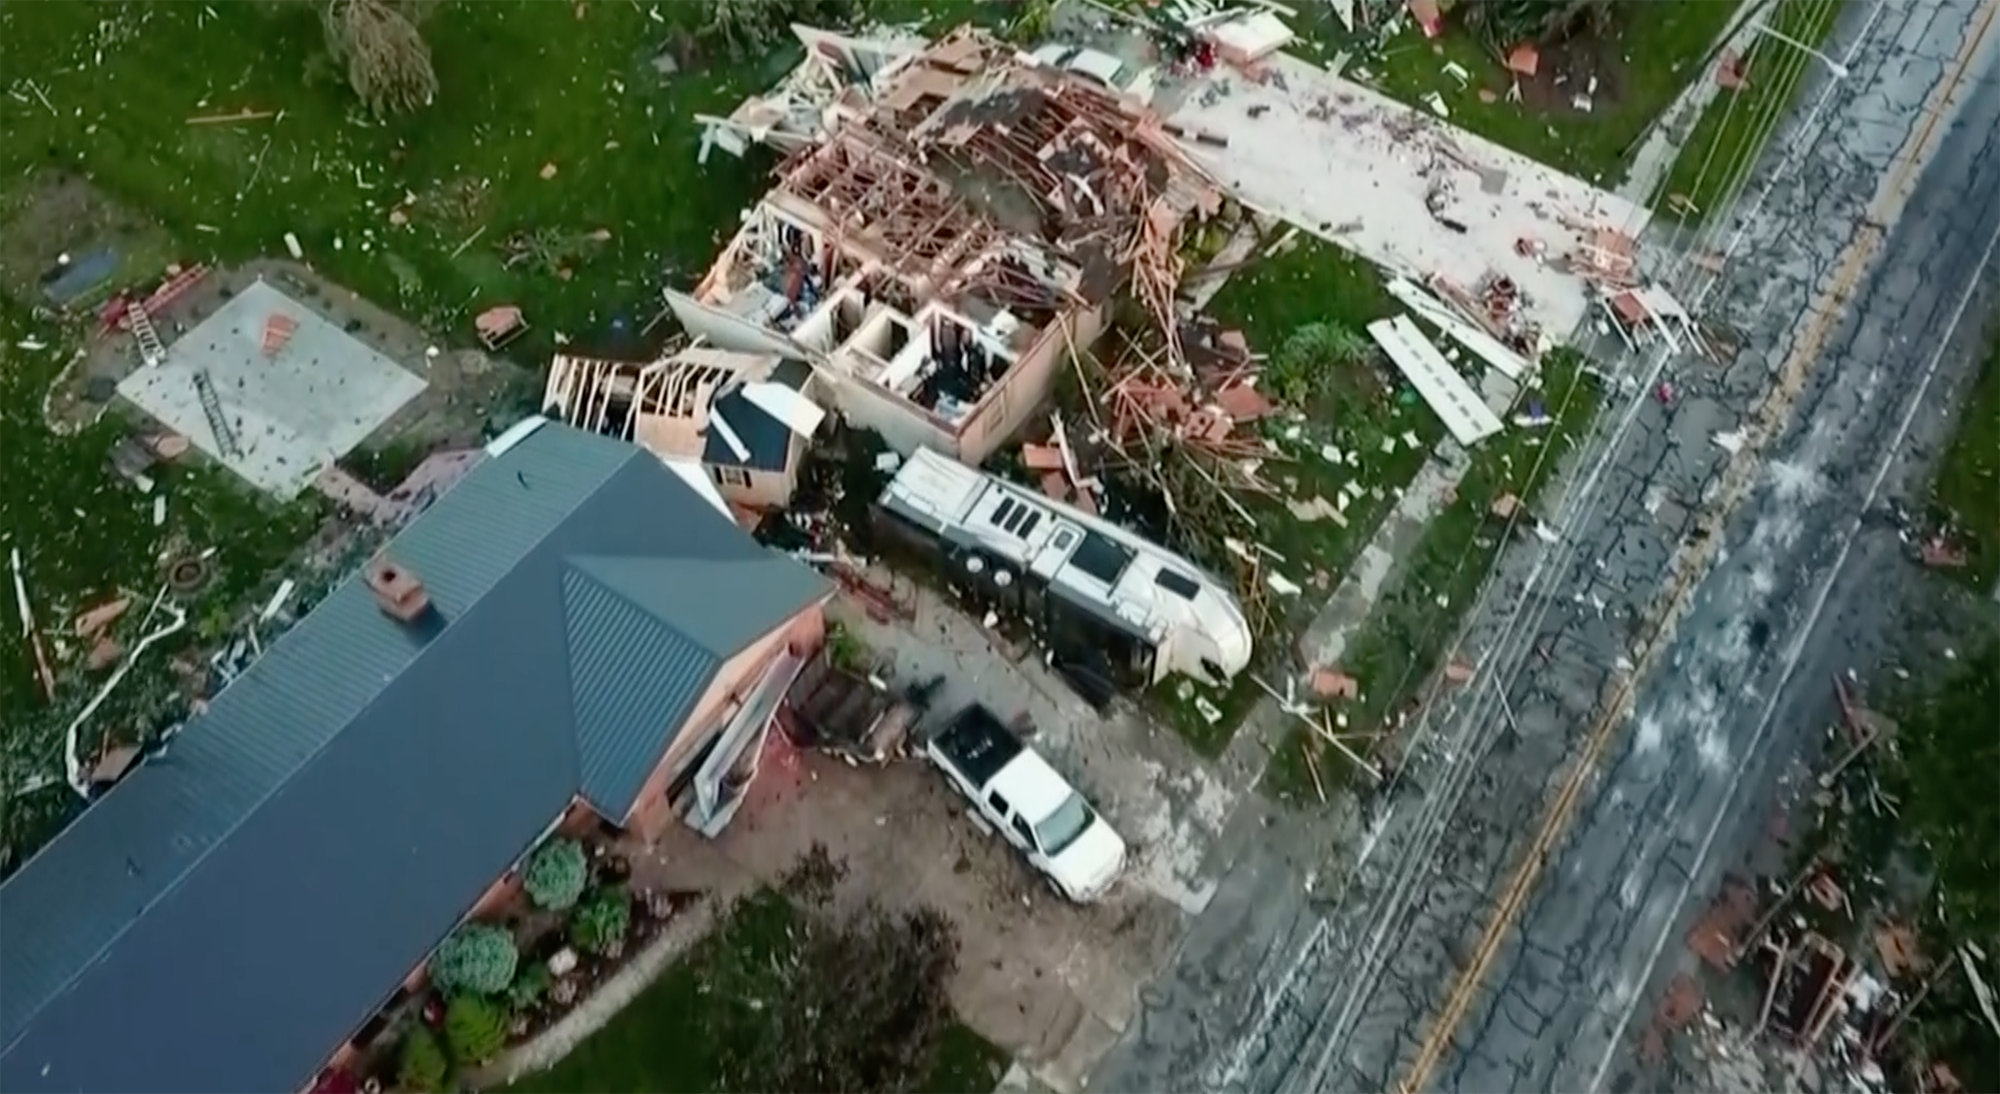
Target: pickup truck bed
{"x": 978, "y": 744}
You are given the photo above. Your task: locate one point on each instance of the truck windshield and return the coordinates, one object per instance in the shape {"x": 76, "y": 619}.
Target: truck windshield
{"x": 1064, "y": 825}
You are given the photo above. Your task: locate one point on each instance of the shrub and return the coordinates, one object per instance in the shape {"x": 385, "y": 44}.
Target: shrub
{"x": 528, "y": 988}
{"x": 421, "y": 1066}
{"x": 478, "y": 957}
{"x": 474, "y": 1028}
{"x": 1309, "y": 360}
{"x": 601, "y": 922}
{"x": 556, "y": 874}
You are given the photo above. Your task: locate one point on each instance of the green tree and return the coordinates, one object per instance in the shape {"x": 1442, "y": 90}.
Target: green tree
{"x": 475, "y": 1029}
{"x": 421, "y": 1066}
{"x": 557, "y": 874}
{"x": 886, "y": 975}
{"x": 602, "y": 922}
{"x": 478, "y": 957}
{"x": 1504, "y": 24}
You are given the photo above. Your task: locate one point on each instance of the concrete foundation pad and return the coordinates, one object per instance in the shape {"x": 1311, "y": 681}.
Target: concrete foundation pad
{"x": 292, "y": 411}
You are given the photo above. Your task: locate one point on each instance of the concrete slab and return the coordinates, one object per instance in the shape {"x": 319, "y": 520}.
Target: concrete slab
{"x": 293, "y": 411}
{"x": 1359, "y": 169}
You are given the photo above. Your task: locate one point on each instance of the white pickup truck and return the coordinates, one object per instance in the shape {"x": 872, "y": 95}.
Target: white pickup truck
{"x": 1015, "y": 792}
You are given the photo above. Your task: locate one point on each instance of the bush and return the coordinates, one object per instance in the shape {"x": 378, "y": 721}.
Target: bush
{"x": 1308, "y": 362}
{"x": 556, "y": 875}
{"x": 478, "y": 957}
{"x": 421, "y": 1066}
{"x": 602, "y": 922}
{"x": 527, "y": 990}
{"x": 474, "y": 1028}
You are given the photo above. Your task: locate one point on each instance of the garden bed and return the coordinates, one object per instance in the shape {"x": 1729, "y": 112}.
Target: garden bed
{"x": 505, "y": 980}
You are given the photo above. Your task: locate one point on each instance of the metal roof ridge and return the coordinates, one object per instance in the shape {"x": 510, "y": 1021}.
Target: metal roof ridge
{"x": 199, "y": 860}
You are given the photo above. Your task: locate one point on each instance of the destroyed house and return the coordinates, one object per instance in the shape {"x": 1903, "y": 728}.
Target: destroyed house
{"x": 942, "y": 247}
{"x": 745, "y": 418}
{"x": 571, "y": 638}
{"x": 1105, "y": 599}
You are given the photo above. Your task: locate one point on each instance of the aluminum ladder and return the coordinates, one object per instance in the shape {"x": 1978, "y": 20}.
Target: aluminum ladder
{"x": 211, "y": 408}
{"x": 151, "y": 349}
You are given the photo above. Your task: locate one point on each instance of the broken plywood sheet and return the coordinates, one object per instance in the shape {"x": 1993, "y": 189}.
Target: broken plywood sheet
{"x": 1434, "y": 311}
{"x": 1312, "y": 148}
{"x": 1468, "y": 418}
{"x": 725, "y": 331}
{"x": 798, "y": 413}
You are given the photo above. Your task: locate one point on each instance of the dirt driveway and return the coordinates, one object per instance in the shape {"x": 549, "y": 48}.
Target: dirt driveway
{"x": 1052, "y": 982}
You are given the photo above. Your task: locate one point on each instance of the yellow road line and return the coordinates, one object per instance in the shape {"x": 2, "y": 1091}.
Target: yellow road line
{"x": 1689, "y": 567}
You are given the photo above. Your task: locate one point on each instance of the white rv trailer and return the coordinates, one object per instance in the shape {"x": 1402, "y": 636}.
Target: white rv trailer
{"x": 1102, "y": 594}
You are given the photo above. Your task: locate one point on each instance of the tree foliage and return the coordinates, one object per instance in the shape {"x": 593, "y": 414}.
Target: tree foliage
{"x": 421, "y": 1066}
{"x": 862, "y": 1003}
{"x": 478, "y": 957}
{"x": 388, "y": 64}
{"x": 475, "y": 1029}
{"x": 602, "y": 922}
{"x": 1504, "y": 24}
{"x": 744, "y": 29}
{"x": 557, "y": 874}
{"x": 1310, "y": 360}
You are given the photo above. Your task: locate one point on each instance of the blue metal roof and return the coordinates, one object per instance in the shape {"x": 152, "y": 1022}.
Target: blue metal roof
{"x": 243, "y": 900}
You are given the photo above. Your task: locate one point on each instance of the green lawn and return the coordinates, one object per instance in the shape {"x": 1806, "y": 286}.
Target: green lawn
{"x": 681, "y": 1033}
{"x": 1658, "y": 45}
{"x": 1966, "y": 492}
{"x": 1403, "y": 642}
{"x": 1722, "y": 148}
{"x": 523, "y": 87}
{"x": 1312, "y": 281}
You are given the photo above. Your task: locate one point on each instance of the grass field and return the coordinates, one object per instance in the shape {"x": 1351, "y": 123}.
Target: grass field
{"x": 1966, "y": 492}
{"x": 524, "y": 86}
{"x": 1269, "y": 300}
{"x": 632, "y": 1053}
{"x": 1655, "y": 50}
{"x": 1403, "y": 643}
{"x": 1727, "y": 139}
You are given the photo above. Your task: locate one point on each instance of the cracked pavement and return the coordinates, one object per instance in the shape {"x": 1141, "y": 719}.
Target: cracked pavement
{"x": 1275, "y": 990}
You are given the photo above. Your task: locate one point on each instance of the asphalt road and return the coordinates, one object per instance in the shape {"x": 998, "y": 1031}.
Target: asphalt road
{"x": 1276, "y": 991}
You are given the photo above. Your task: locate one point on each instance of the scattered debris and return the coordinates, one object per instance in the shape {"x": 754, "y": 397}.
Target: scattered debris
{"x": 1428, "y": 15}
{"x": 1464, "y": 413}
{"x": 499, "y": 326}
{"x": 244, "y": 115}
{"x": 1732, "y": 71}
{"x": 1334, "y": 684}
{"x": 33, "y": 634}
{"x": 90, "y": 622}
